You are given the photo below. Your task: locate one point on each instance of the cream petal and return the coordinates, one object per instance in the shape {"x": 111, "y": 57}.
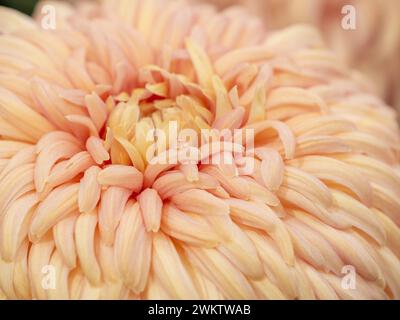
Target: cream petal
{"x": 151, "y": 208}
{"x": 39, "y": 262}
{"x": 15, "y": 225}
{"x": 89, "y": 190}
{"x": 61, "y": 202}
{"x": 85, "y": 229}
{"x": 133, "y": 247}
{"x": 170, "y": 271}
{"x": 12, "y": 20}
{"x": 64, "y": 239}
{"x": 187, "y": 227}
{"x": 201, "y": 202}
{"x": 121, "y": 176}
{"x": 219, "y": 270}
{"x": 111, "y": 206}
{"x": 95, "y": 146}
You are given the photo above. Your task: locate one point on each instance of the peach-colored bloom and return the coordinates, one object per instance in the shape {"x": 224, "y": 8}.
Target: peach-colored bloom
{"x": 80, "y": 194}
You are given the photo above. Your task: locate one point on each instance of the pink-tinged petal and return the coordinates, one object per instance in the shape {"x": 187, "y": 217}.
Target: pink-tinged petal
{"x": 63, "y": 234}
{"x": 272, "y": 168}
{"x": 188, "y": 227}
{"x": 89, "y": 190}
{"x": 15, "y": 184}
{"x": 267, "y": 290}
{"x": 392, "y": 232}
{"x": 25, "y": 156}
{"x": 75, "y": 68}
{"x": 226, "y": 163}
{"x": 170, "y": 270}
{"x": 56, "y": 136}
{"x": 219, "y": 192}
{"x": 155, "y": 290}
{"x": 83, "y": 122}
{"x": 216, "y": 267}
{"x": 285, "y": 134}
{"x": 360, "y": 216}
{"x": 365, "y": 290}
{"x": 97, "y": 150}
{"x": 85, "y": 229}
{"x": 121, "y": 176}
{"x": 133, "y": 246}
{"x": 105, "y": 255}
{"x": 6, "y": 278}
{"x": 153, "y": 171}
{"x": 111, "y": 207}
{"x": 350, "y": 247}
{"x": 46, "y": 100}
{"x": 242, "y": 253}
{"x": 201, "y": 202}
{"x": 67, "y": 170}
{"x": 273, "y": 262}
{"x": 236, "y": 57}
{"x": 328, "y": 169}
{"x": 386, "y": 201}
{"x": 231, "y": 120}
{"x": 323, "y": 290}
{"x": 255, "y": 93}
{"x": 39, "y": 260}
{"x": 236, "y": 186}
{"x": 97, "y": 110}
{"x": 61, "y": 273}
{"x": 191, "y": 171}
{"x": 151, "y": 207}
{"x": 174, "y": 182}
{"x": 48, "y": 157}
{"x": 295, "y": 96}
{"x": 307, "y": 185}
{"x": 15, "y": 225}
{"x": 8, "y": 131}
{"x": 258, "y": 192}
{"x": 260, "y": 216}
{"x": 21, "y": 279}
{"x": 13, "y": 110}
{"x": 10, "y": 148}
{"x": 321, "y": 145}
{"x": 316, "y": 208}
{"x": 73, "y": 96}
{"x": 61, "y": 202}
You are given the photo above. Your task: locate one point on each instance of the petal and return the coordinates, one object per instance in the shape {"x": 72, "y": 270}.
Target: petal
{"x": 111, "y": 207}
{"x": 89, "y": 190}
{"x": 85, "y": 228}
{"x": 133, "y": 247}
{"x": 61, "y": 202}
{"x": 168, "y": 267}
{"x": 121, "y": 176}
{"x": 151, "y": 207}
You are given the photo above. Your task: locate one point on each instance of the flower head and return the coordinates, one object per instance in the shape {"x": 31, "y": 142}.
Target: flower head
{"x": 86, "y": 111}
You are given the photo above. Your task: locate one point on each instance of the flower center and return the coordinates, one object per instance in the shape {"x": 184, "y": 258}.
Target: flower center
{"x": 140, "y": 124}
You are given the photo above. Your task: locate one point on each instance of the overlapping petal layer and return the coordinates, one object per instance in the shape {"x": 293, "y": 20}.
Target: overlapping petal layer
{"x": 80, "y": 194}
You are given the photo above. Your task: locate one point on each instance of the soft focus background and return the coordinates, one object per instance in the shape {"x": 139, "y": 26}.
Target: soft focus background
{"x": 25, "y": 6}
{"x": 373, "y": 48}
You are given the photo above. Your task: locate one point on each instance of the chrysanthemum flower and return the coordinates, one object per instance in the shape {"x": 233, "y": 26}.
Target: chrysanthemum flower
{"x": 85, "y": 214}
